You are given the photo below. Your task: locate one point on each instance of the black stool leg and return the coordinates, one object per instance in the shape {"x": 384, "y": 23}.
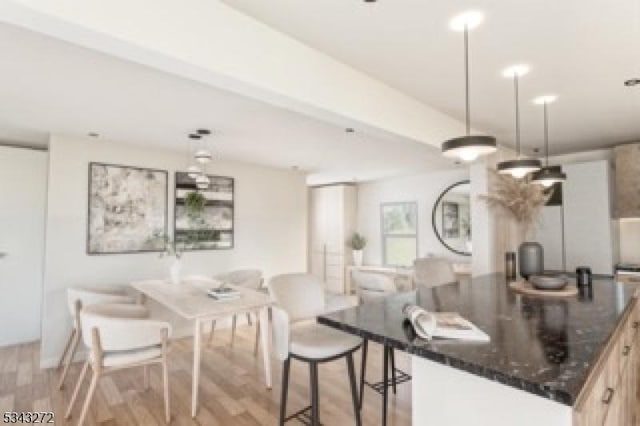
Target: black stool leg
{"x": 363, "y": 368}
{"x": 385, "y": 387}
{"x": 315, "y": 401}
{"x": 393, "y": 369}
{"x": 285, "y": 390}
{"x": 354, "y": 389}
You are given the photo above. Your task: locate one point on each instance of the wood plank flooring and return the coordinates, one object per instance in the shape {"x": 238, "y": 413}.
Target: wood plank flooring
{"x": 232, "y": 390}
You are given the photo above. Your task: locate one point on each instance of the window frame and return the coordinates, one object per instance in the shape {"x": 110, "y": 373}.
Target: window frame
{"x": 384, "y": 235}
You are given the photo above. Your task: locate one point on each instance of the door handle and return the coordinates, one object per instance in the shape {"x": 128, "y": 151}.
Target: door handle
{"x": 608, "y": 395}
{"x": 626, "y": 350}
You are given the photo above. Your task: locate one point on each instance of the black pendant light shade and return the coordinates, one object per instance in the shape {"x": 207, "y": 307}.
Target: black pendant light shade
{"x": 518, "y": 167}
{"x": 468, "y": 147}
{"x": 547, "y": 176}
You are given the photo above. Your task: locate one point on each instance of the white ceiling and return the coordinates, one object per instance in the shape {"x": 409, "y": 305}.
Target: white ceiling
{"x": 49, "y": 86}
{"x": 581, "y": 50}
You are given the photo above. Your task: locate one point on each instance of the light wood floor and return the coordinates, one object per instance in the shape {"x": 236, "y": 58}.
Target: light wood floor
{"x": 232, "y": 388}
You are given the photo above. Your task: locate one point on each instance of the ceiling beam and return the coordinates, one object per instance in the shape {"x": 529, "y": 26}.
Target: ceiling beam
{"x": 210, "y": 42}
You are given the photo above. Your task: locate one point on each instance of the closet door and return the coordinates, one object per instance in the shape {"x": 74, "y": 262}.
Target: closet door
{"x": 587, "y": 217}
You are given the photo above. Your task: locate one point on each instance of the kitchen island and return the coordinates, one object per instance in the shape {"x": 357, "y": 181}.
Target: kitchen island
{"x": 550, "y": 361}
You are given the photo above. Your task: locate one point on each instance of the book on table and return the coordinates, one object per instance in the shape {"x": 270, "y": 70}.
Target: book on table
{"x": 224, "y": 293}
{"x": 442, "y": 325}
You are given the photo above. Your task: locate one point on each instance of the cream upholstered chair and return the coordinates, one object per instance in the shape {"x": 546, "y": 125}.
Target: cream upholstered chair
{"x": 373, "y": 287}
{"x": 249, "y": 278}
{"x": 299, "y": 299}
{"x": 121, "y": 336}
{"x": 77, "y": 298}
{"x": 433, "y": 272}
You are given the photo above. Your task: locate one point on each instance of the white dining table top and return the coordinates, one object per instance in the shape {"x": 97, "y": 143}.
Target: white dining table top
{"x": 190, "y": 300}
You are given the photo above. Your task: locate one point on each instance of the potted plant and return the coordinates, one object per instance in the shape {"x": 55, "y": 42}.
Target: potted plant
{"x": 357, "y": 244}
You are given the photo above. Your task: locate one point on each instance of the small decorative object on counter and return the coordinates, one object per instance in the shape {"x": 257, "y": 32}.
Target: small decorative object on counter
{"x": 584, "y": 277}
{"x": 531, "y": 259}
{"x": 357, "y": 244}
{"x": 510, "y": 265}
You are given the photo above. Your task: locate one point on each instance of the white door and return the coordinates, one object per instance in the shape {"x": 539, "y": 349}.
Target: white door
{"x": 23, "y": 183}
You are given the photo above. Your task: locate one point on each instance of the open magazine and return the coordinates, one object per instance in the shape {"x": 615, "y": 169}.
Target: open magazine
{"x": 442, "y": 325}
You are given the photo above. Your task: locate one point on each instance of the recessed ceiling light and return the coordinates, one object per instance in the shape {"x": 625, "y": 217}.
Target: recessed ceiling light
{"x": 203, "y": 132}
{"x": 515, "y": 70}
{"x": 93, "y": 134}
{"x": 349, "y": 130}
{"x": 545, "y": 99}
{"x": 632, "y": 82}
{"x": 194, "y": 136}
{"x": 469, "y": 20}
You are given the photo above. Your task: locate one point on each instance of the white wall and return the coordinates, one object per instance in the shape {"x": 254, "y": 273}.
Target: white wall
{"x": 270, "y": 228}
{"x": 422, "y": 188}
{"x": 23, "y": 183}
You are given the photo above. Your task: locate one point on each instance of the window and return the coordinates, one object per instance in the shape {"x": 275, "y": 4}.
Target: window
{"x": 399, "y": 233}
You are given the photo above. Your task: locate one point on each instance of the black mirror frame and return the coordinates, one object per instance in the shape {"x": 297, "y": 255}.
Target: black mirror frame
{"x": 433, "y": 217}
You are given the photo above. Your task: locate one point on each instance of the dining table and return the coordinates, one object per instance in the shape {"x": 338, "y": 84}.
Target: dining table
{"x": 189, "y": 299}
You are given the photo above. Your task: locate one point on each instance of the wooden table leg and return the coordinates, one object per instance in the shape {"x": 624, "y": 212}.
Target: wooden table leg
{"x": 266, "y": 350}
{"x": 197, "y": 338}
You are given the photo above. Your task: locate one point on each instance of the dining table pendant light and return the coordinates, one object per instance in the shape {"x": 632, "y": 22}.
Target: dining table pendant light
{"x": 192, "y": 169}
{"x": 468, "y": 147}
{"x": 520, "y": 166}
{"x": 547, "y": 176}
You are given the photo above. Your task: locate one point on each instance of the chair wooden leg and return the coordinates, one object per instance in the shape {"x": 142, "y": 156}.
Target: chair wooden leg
{"x": 257, "y": 342}
{"x": 165, "y": 382}
{"x": 354, "y": 389}
{"x": 249, "y": 319}
{"x": 393, "y": 369}
{"x": 66, "y": 349}
{"x": 233, "y": 330}
{"x": 146, "y": 377}
{"x": 213, "y": 328}
{"x": 285, "y": 390}
{"x": 363, "y": 369}
{"x": 74, "y": 396}
{"x": 87, "y": 401}
{"x": 72, "y": 355}
{"x": 315, "y": 399}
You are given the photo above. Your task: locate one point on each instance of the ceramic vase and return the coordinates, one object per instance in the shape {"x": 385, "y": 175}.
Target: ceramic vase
{"x": 530, "y": 259}
{"x": 357, "y": 257}
{"x": 175, "y": 270}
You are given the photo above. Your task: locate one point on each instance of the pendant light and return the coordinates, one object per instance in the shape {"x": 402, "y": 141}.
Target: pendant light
{"x": 520, "y": 167}
{"x": 203, "y": 155}
{"x": 468, "y": 147}
{"x": 192, "y": 170}
{"x": 547, "y": 176}
{"x": 202, "y": 181}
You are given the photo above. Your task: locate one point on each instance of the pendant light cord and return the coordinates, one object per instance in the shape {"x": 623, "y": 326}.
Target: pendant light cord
{"x": 466, "y": 78}
{"x": 546, "y": 135}
{"x": 517, "y": 101}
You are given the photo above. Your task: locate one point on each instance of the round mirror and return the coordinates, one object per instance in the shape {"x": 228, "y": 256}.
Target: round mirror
{"x": 451, "y": 218}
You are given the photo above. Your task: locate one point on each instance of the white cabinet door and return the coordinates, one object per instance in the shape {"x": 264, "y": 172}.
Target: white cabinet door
{"x": 587, "y": 212}
{"x": 23, "y": 177}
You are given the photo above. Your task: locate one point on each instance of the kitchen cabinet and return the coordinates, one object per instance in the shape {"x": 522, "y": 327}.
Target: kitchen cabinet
{"x": 332, "y": 222}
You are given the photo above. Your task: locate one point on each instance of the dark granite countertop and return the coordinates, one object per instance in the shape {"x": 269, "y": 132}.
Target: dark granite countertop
{"x": 545, "y": 346}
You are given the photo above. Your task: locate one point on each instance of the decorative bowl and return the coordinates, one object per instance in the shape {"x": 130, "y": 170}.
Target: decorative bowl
{"x": 548, "y": 282}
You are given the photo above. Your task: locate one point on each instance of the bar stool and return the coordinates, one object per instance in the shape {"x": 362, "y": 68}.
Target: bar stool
{"x": 372, "y": 288}
{"x": 299, "y": 299}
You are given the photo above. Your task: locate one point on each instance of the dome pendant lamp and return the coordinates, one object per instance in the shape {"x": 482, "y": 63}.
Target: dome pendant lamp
{"x": 520, "y": 167}
{"x": 468, "y": 147}
{"x": 547, "y": 176}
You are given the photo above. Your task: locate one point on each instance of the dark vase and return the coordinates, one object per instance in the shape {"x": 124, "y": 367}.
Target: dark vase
{"x": 531, "y": 259}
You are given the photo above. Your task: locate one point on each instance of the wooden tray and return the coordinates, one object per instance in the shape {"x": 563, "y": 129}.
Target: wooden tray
{"x": 525, "y": 287}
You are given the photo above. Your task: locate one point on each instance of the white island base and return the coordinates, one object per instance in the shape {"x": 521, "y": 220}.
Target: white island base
{"x": 445, "y": 396}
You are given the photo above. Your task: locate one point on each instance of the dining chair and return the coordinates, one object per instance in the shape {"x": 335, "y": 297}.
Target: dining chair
{"x": 77, "y": 298}
{"x": 121, "y": 336}
{"x": 433, "y": 272}
{"x": 248, "y": 278}
{"x": 299, "y": 299}
{"x": 371, "y": 288}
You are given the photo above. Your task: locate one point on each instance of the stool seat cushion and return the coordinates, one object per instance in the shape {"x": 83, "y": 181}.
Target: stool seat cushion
{"x": 317, "y": 342}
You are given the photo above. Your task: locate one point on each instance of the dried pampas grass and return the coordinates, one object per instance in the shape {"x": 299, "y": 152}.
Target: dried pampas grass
{"x": 517, "y": 197}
